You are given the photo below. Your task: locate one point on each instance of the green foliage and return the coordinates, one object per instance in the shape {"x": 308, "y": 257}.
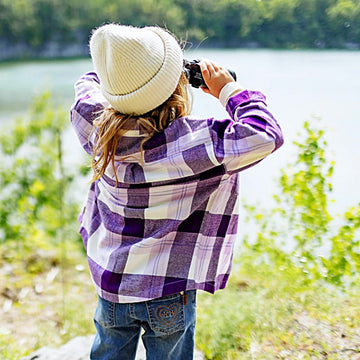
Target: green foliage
{"x": 344, "y": 260}
{"x": 344, "y": 18}
{"x": 299, "y": 235}
{"x": 271, "y": 317}
{"x": 267, "y": 23}
{"x": 282, "y": 273}
{"x": 38, "y": 236}
{"x": 47, "y": 308}
{"x": 283, "y": 295}
{"x": 305, "y": 189}
{"x": 8, "y": 348}
{"x": 35, "y": 207}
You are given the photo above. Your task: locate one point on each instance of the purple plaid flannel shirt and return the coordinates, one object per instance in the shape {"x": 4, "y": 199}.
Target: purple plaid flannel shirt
{"x": 171, "y": 223}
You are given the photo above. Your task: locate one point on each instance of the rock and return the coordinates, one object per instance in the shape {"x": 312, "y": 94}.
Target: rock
{"x": 76, "y": 349}
{"x": 79, "y": 349}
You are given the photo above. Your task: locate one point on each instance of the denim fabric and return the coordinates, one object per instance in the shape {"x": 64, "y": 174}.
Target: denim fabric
{"x": 168, "y": 324}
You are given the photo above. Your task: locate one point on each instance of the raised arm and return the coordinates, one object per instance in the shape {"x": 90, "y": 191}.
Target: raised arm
{"x": 252, "y": 133}
{"x": 86, "y": 107}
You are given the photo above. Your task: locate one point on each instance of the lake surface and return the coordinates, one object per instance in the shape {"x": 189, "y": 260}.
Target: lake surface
{"x": 299, "y": 85}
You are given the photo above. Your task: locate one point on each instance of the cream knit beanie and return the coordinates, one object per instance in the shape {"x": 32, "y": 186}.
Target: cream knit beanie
{"x": 138, "y": 68}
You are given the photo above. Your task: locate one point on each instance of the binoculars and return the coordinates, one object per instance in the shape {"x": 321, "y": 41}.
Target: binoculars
{"x": 193, "y": 73}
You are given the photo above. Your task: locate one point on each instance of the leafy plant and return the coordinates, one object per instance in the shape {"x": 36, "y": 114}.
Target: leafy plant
{"x": 36, "y": 209}
{"x": 343, "y": 264}
{"x": 298, "y": 235}
{"x": 283, "y": 295}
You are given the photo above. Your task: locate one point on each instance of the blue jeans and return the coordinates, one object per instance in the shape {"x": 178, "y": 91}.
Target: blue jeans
{"x": 168, "y": 324}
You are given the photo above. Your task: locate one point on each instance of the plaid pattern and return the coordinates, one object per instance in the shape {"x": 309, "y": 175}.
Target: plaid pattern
{"x": 169, "y": 225}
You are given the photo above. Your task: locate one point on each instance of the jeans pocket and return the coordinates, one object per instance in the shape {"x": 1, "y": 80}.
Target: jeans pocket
{"x": 105, "y": 313}
{"x": 166, "y": 314}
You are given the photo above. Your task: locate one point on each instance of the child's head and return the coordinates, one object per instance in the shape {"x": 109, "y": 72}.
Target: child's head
{"x": 141, "y": 75}
{"x": 138, "y": 68}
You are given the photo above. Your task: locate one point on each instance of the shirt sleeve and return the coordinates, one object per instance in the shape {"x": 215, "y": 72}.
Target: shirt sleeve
{"x": 250, "y": 135}
{"x": 88, "y": 103}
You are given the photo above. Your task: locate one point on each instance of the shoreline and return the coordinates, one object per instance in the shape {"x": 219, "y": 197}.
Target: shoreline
{"x": 57, "y": 51}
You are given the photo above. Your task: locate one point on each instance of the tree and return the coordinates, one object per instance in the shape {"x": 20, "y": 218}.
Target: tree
{"x": 344, "y": 18}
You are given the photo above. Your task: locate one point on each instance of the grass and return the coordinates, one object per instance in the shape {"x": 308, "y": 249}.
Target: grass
{"x": 47, "y": 298}
{"x": 273, "y": 317}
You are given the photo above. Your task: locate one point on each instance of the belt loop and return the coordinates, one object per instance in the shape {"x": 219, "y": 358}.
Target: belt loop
{"x": 184, "y": 295}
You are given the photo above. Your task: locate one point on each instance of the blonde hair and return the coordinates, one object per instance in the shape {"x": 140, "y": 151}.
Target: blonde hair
{"x": 111, "y": 125}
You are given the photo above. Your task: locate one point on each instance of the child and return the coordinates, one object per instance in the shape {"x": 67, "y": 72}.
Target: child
{"x": 162, "y": 210}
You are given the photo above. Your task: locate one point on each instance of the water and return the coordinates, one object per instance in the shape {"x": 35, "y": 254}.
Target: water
{"x": 299, "y": 85}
